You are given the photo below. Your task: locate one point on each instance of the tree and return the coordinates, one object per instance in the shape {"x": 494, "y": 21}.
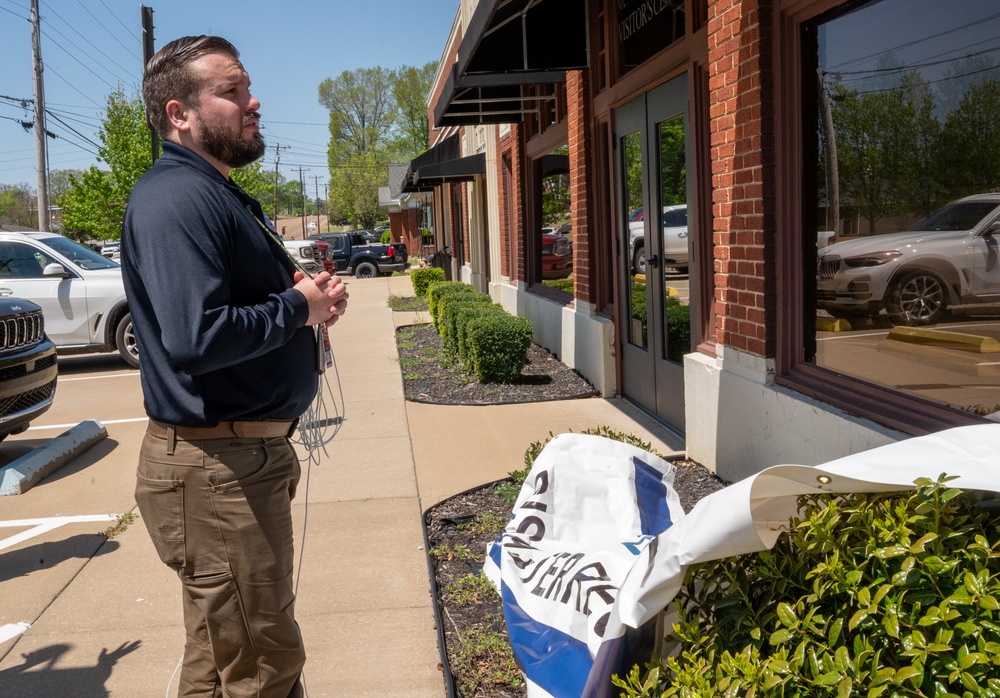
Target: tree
{"x": 362, "y": 116}
{"x": 17, "y": 204}
{"x": 971, "y": 151}
{"x": 94, "y": 206}
{"x": 409, "y": 89}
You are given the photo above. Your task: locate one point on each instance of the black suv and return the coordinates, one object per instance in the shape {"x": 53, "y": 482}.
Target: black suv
{"x": 28, "y": 367}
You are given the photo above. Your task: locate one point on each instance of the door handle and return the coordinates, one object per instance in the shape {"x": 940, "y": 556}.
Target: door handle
{"x": 4, "y": 292}
{"x": 653, "y": 261}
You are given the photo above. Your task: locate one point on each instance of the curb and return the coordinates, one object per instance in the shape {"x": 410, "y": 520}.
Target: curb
{"x": 19, "y": 476}
{"x": 946, "y": 338}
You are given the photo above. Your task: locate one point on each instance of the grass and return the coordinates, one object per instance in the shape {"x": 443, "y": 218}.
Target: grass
{"x": 454, "y": 552}
{"x": 407, "y": 303}
{"x": 487, "y": 523}
{"x": 469, "y": 590}
{"x": 486, "y": 659}
{"x": 122, "y": 522}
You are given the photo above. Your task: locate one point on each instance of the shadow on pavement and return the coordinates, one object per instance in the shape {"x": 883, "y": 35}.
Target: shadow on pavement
{"x": 38, "y": 675}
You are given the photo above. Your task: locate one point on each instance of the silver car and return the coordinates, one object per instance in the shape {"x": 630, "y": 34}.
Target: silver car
{"x": 950, "y": 258}
{"x": 81, "y": 292}
{"x": 675, "y": 239}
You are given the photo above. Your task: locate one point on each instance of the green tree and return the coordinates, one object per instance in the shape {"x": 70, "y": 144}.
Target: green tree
{"x": 409, "y": 90}
{"x": 17, "y": 204}
{"x": 971, "y": 151}
{"x": 362, "y": 115}
{"x": 94, "y": 206}
{"x": 59, "y": 183}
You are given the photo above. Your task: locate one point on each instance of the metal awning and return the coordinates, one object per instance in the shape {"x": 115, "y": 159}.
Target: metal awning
{"x": 441, "y": 164}
{"x": 508, "y": 45}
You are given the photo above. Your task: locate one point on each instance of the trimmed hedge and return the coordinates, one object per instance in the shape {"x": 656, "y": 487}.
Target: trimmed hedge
{"x": 423, "y": 277}
{"x": 464, "y": 316}
{"x": 449, "y": 312}
{"x": 498, "y": 344}
{"x": 439, "y": 290}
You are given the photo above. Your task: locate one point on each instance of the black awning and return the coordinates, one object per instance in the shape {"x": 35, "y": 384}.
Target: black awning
{"x": 525, "y": 36}
{"x": 488, "y": 99}
{"x": 508, "y": 45}
{"x": 441, "y": 164}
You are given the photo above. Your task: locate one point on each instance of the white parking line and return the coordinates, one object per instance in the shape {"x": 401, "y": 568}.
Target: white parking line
{"x": 12, "y": 630}
{"x": 40, "y": 526}
{"x": 103, "y": 421}
{"x": 94, "y": 378}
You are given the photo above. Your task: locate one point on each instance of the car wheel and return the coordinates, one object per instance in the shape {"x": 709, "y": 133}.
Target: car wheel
{"x": 639, "y": 260}
{"x": 366, "y": 270}
{"x": 918, "y": 298}
{"x": 125, "y": 341}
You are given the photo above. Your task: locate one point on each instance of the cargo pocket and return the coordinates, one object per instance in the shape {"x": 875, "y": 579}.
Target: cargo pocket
{"x": 233, "y": 466}
{"x": 161, "y": 503}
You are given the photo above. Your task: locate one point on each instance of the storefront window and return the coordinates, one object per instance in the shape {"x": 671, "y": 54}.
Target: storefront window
{"x": 907, "y": 207}
{"x": 555, "y": 248}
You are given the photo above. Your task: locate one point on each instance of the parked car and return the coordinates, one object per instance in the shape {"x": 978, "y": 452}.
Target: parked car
{"x": 949, "y": 258}
{"x": 306, "y": 253}
{"x": 557, "y": 255}
{"x": 354, "y": 255}
{"x": 112, "y": 250}
{"x": 28, "y": 367}
{"x": 675, "y": 239}
{"x": 80, "y": 292}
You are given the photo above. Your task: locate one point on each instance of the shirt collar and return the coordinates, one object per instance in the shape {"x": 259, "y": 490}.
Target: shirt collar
{"x": 178, "y": 153}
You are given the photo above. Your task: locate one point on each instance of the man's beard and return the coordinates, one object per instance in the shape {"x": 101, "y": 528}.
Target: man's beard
{"x": 229, "y": 149}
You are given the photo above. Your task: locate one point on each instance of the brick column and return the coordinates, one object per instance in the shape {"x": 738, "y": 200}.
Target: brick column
{"x": 742, "y": 133}
{"x": 579, "y": 111}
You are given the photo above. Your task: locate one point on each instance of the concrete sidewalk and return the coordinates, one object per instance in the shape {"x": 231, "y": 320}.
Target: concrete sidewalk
{"x": 364, "y": 600}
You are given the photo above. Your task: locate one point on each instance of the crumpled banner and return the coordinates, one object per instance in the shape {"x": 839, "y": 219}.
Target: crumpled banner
{"x": 598, "y": 543}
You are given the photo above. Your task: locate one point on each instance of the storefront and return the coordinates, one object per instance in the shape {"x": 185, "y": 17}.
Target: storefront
{"x": 756, "y": 131}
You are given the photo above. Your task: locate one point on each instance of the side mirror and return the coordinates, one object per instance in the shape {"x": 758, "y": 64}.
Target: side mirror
{"x": 55, "y": 270}
{"x": 994, "y": 229}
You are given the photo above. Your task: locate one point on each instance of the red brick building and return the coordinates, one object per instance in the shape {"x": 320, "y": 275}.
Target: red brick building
{"x": 568, "y": 123}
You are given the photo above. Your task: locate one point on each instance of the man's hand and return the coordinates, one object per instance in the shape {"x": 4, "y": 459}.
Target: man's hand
{"x": 327, "y": 297}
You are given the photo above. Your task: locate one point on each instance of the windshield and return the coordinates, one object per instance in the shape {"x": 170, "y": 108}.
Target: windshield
{"x": 81, "y": 256}
{"x": 963, "y": 216}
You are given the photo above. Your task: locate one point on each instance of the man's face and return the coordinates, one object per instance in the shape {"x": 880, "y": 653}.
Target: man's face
{"x": 225, "y": 122}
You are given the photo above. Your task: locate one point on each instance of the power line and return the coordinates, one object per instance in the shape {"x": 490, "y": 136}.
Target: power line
{"x": 108, "y": 30}
{"x": 72, "y": 129}
{"x": 88, "y": 68}
{"x": 15, "y": 14}
{"x": 49, "y": 69}
{"x": 97, "y": 48}
{"x": 126, "y": 27}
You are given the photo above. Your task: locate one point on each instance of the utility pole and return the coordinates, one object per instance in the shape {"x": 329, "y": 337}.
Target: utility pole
{"x": 277, "y": 158}
{"x": 316, "y": 182}
{"x": 41, "y": 168}
{"x": 302, "y": 196}
{"x": 147, "y": 54}
{"x": 326, "y": 198}
{"x": 832, "y": 169}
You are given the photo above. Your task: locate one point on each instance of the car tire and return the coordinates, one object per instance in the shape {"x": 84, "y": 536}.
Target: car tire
{"x": 639, "y": 260}
{"x": 918, "y": 298}
{"x": 366, "y": 270}
{"x": 125, "y": 341}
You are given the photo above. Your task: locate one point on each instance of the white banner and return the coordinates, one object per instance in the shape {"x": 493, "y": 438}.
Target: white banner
{"x": 598, "y": 543}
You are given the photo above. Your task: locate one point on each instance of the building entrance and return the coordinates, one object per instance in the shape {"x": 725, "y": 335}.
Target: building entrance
{"x": 654, "y": 245}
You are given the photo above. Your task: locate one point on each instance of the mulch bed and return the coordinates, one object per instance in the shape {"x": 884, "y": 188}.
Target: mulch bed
{"x": 450, "y": 525}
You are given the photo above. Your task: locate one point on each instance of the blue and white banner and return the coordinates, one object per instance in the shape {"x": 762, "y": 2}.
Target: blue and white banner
{"x": 598, "y": 543}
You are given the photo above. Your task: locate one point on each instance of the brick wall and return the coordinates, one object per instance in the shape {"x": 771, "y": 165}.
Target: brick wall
{"x": 579, "y": 109}
{"x": 511, "y": 231}
{"x": 405, "y": 227}
{"x": 742, "y": 143}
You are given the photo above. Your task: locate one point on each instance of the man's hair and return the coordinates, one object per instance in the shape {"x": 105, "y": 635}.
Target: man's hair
{"x": 168, "y": 76}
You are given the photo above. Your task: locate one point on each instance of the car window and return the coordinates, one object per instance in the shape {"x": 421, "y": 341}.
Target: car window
{"x": 963, "y": 216}
{"x": 20, "y": 261}
{"x": 675, "y": 218}
{"x": 78, "y": 254}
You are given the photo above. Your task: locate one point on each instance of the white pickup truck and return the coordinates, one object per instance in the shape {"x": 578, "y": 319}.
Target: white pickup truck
{"x": 306, "y": 253}
{"x": 675, "y": 240}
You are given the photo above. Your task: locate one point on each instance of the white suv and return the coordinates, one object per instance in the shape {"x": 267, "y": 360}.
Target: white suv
{"x": 950, "y": 258}
{"x": 80, "y": 292}
{"x": 675, "y": 240}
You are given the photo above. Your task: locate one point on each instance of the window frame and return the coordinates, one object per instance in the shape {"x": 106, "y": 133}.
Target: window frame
{"x": 795, "y": 309}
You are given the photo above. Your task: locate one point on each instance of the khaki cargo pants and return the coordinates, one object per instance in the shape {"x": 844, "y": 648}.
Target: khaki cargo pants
{"x": 219, "y": 514}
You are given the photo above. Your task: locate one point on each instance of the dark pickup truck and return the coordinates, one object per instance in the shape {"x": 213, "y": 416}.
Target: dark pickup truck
{"x": 352, "y": 254}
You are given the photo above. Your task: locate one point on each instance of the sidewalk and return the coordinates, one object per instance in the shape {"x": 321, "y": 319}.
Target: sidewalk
{"x": 364, "y": 595}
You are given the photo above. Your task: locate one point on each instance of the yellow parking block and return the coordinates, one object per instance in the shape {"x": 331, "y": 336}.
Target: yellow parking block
{"x": 829, "y": 324}
{"x": 670, "y": 290}
{"x": 946, "y": 338}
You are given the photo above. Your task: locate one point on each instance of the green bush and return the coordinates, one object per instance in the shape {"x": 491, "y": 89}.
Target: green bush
{"x": 498, "y": 345}
{"x": 386, "y": 237}
{"x": 892, "y": 594}
{"x": 423, "y": 277}
{"x": 449, "y": 311}
{"x": 464, "y": 316}
{"x": 678, "y": 329}
{"x": 441, "y": 289}
{"x": 561, "y": 284}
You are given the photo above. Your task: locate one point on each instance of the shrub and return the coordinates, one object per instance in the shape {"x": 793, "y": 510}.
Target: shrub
{"x": 441, "y": 289}
{"x": 678, "y": 329}
{"x": 498, "y": 344}
{"x": 868, "y": 594}
{"x": 449, "y": 316}
{"x": 464, "y": 316}
{"x": 386, "y": 238}
{"x": 561, "y": 284}
{"x": 424, "y": 277}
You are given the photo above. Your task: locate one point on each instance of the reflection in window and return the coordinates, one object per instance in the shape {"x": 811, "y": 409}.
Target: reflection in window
{"x": 631, "y": 150}
{"x": 909, "y": 167}
{"x": 556, "y": 236}
{"x": 674, "y": 234}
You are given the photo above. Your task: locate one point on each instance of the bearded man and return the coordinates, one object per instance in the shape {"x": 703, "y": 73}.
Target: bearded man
{"x": 227, "y": 335}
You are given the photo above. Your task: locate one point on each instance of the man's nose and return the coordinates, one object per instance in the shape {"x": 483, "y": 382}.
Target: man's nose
{"x": 253, "y": 104}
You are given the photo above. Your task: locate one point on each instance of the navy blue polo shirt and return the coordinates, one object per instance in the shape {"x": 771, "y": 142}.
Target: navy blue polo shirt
{"x": 219, "y": 328}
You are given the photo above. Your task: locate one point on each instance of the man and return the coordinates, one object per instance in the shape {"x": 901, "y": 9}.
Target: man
{"x": 228, "y": 354}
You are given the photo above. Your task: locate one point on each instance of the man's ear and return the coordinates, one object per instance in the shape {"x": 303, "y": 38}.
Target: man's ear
{"x": 178, "y": 114}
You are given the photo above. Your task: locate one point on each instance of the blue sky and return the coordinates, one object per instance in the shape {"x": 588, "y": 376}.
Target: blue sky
{"x": 289, "y": 47}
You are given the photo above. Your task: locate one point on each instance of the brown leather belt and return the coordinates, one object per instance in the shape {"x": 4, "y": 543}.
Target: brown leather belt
{"x": 265, "y": 429}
